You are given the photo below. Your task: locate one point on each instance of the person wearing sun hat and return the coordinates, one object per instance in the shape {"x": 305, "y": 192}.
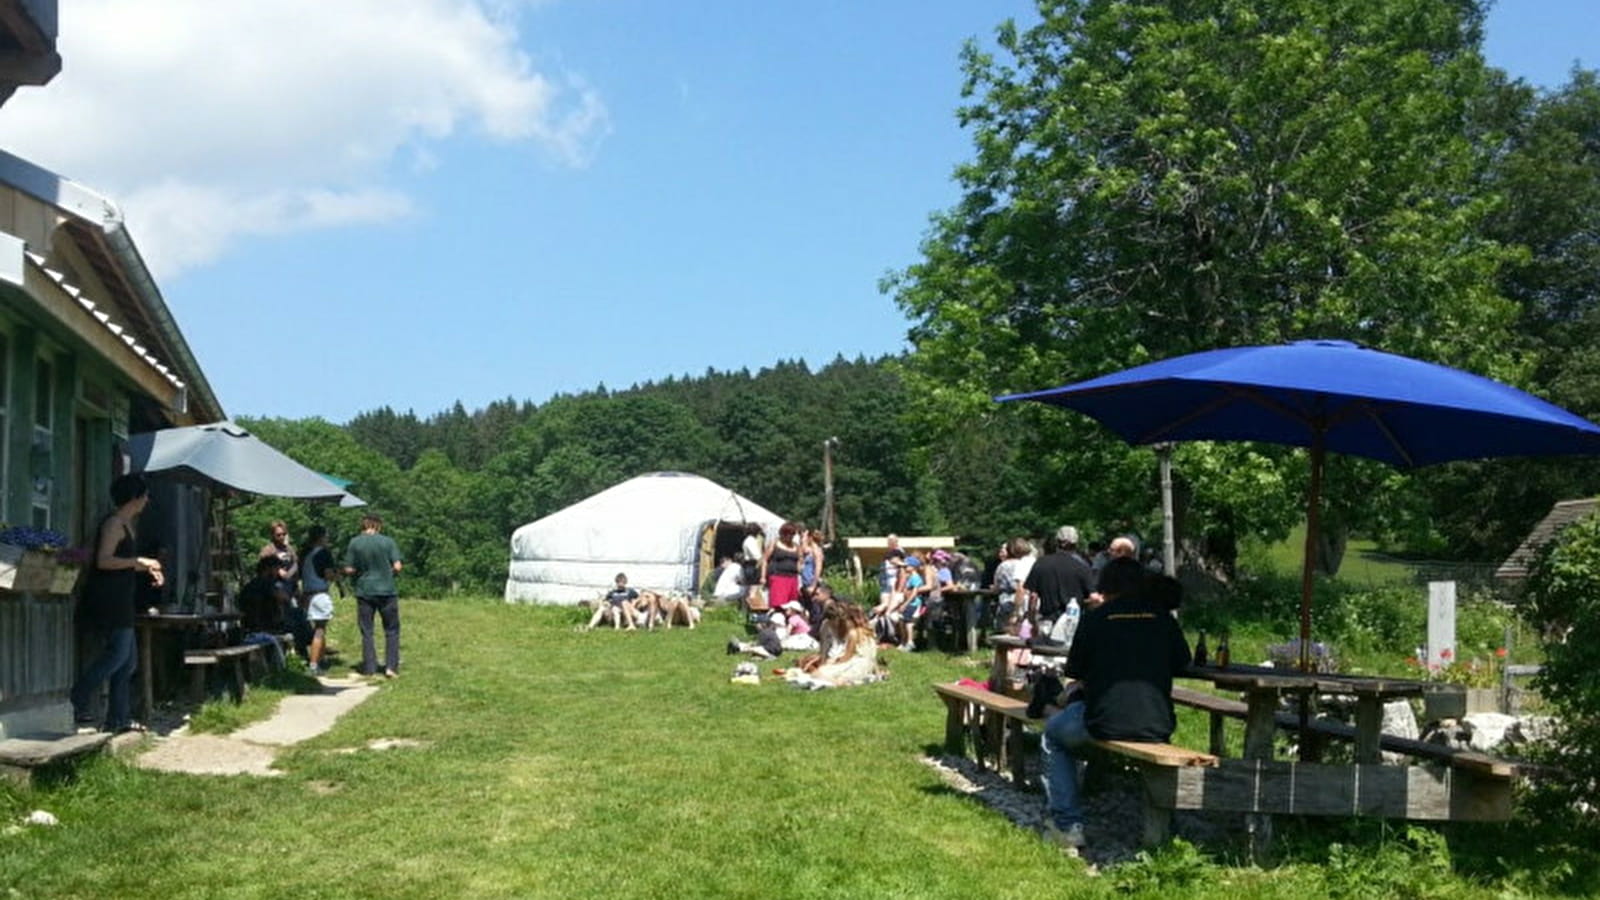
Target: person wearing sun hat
{"x": 798, "y": 636}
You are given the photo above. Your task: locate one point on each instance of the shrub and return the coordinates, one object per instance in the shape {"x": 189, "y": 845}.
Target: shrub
{"x": 1562, "y": 601}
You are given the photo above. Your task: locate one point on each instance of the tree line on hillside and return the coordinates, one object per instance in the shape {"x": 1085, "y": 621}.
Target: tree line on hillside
{"x": 453, "y": 486}
{"x": 1148, "y": 179}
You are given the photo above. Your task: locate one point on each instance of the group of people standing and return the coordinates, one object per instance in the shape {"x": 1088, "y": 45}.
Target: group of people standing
{"x": 772, "y": 574}
{"x": 1045, "y": 595}
{"x": 291, "y": 588}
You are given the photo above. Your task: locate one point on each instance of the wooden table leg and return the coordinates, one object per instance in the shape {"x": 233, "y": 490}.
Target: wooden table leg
{"x": 969, "y": 611}
{"x": 1260, "y": 724}
{"x": 1219, "y": 739}
{"x": 146, "y": 676}
{"x": 955, "y": 733}
{"x": 1260, "y": 727}
{"x": 1369, "y": 722}
{"x": 1000, "y": 671}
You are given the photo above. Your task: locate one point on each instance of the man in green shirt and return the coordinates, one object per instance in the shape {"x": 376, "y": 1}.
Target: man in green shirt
{"x": 373, "y": 560}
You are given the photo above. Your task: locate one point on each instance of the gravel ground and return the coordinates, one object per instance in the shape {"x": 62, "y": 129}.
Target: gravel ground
{"x": 1113, "y": 820}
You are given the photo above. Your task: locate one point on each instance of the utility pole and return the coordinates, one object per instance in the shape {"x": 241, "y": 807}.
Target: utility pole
{"x": 827, "y": 489}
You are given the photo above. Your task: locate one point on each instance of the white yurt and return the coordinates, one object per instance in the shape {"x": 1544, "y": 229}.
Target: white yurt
{"x": 665, "y": 530}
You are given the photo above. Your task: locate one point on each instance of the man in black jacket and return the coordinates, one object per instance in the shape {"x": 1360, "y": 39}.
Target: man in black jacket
{"x": 1124, "y": 657}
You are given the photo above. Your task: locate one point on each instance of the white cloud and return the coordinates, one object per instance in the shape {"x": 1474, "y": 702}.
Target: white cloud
{"x": 211, "y": 121}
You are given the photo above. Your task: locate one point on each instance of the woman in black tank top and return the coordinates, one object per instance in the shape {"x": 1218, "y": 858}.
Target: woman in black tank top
{"x": 107, "y": 612}
{"x": 781, "y": 566}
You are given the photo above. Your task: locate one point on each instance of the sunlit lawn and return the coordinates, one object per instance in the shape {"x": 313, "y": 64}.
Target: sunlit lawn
{"x": 554, "y": 763}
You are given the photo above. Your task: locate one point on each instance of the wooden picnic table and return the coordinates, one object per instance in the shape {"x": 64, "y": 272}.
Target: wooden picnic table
{"x": 1003, "y": 644}
{"x": 1469, "y": 788}
{"x": 147, "y": 625}
{"x": 964, "y": 603}
{"x": 1264, "y": 687}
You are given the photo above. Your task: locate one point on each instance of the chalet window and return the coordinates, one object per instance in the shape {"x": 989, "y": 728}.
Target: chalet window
{"x": 42, "y": 461}
{"x": 5, "y": 407}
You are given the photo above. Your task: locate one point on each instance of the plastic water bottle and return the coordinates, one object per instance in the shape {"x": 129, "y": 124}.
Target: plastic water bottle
{"x": 1067, "y": 624}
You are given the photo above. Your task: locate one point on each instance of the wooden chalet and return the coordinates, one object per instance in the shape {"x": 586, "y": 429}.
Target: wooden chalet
{"x": 89, "y": 354}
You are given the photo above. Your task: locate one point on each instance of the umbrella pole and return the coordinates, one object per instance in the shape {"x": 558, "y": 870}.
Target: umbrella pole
{"x": 1169, "y": 544}
{"x": 1307, "y": 569}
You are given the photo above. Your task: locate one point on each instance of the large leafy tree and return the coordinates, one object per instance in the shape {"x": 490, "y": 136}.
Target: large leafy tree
{"x": 1547, "y": 172}
{"x": 1153, "y": 178}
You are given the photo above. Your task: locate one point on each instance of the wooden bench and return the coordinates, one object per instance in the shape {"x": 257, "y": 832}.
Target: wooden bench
{"x": 997, "y": 724}
{"x": 237, "y": 658}
{"x": 22, "y": 758}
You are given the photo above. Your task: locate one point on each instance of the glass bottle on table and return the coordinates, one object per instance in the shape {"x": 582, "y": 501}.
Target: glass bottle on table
{"x": 1223, "y": 657}
{"x": 1201, "y": 654}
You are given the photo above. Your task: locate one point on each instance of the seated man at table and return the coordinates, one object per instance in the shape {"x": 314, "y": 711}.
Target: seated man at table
{"x": 1124, "y": 656}
{"x": 264, "y": 605}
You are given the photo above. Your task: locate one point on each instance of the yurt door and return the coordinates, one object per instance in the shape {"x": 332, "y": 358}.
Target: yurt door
{"x": 707, "y": 558}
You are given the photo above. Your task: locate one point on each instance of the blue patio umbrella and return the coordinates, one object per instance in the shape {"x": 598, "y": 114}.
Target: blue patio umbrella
{"x": 1325, "y": 395}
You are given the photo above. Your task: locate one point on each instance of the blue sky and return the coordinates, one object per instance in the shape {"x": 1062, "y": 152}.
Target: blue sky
{"x": 492, "y": 198}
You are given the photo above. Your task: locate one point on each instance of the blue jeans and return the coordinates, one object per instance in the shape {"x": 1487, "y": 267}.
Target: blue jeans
{"x": 115, "y": 663}
{"x": 1064, "y": 733}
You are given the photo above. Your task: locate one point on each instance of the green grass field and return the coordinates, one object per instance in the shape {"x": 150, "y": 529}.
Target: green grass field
{"x": 555, "y": 763}
{"x": 1362, "y": 564}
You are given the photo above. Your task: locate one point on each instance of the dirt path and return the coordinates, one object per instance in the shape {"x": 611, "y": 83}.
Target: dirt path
{"x": 251, "y": 750}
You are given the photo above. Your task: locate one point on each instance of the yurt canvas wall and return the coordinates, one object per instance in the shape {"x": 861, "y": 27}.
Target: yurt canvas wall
{"x": 664, "y": 530}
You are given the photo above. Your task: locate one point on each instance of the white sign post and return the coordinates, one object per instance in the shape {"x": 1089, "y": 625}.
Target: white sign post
{"x": 1441, "y": 623}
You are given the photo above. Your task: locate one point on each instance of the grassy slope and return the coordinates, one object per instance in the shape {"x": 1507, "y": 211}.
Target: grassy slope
{"x": 570, "y": 764}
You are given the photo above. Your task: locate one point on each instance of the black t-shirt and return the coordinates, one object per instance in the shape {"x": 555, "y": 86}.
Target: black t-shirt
{"x": 1057, "y": 578}
{"x": 618, "y": 596}
{"x": 1125, "y": 654}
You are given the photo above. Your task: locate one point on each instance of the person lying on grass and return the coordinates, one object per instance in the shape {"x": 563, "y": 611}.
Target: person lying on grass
{"x": 769, "y": 638}
{"x": 676, "y": 608}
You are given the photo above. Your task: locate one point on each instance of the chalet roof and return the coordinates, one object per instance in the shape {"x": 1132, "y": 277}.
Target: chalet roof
{"x": 1560, "y": 516}
{"x": 96, "y": 227}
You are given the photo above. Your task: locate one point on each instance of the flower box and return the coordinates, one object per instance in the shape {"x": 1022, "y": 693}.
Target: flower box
{"x": 64, "y": 579}
{"x": 25, "y": 571}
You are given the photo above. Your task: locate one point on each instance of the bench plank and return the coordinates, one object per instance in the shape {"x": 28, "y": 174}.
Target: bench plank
{"x": 1169, "y": 755}
{"x": 237, "y": 656}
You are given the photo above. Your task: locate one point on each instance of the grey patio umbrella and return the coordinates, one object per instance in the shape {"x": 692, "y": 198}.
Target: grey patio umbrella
{"x": 225, "y": 454}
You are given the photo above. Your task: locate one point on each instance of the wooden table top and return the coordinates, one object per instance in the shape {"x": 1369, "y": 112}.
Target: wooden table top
{"x": 1012, "y": 642}
{"x": 1260, "y": 678}
{"x": 185, "y": 620}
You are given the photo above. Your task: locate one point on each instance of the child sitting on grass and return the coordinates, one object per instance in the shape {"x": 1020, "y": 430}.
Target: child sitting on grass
{"x": 617, "y": 605}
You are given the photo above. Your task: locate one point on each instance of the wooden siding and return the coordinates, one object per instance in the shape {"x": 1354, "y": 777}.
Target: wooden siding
{"x": 37, "y": 650}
